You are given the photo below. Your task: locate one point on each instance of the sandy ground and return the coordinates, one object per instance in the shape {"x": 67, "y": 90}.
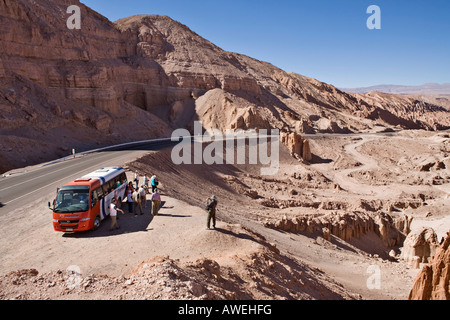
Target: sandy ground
{"x": 176, "y": 236}
{"x": 306, "y": 266}
{"x": 101, "y": 251}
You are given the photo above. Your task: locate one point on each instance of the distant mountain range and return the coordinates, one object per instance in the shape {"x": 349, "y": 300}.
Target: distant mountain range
{"x": 428, "y": 88}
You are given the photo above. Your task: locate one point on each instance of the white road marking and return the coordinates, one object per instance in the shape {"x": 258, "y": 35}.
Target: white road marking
{"x": 18, "y": 184}
{"x": 65, "y": 178}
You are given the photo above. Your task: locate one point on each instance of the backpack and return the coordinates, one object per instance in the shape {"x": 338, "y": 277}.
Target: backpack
{"x": 210, "y": 205}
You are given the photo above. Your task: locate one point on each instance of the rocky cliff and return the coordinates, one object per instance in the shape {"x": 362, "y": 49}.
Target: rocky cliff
{"x": 432, "y": 283}
{"x": 420, "y": 246}
{"x": 346, "y": 226}
{"x": 142, "y": 76}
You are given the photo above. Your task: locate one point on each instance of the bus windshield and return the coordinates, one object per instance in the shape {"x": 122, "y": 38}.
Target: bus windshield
{"x": 72, "y": 199}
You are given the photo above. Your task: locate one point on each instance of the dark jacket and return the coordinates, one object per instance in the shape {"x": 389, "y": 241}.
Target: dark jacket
{"x": 211, "y": 205}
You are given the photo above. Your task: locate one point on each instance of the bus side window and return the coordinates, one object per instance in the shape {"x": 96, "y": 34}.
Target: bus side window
{"x": 104, "y": 190}
{"x": 123, "y": 178}
{"x": 111, "y": 186}
{"x": 94, "y": 198}
{"x": 100, "y": 193}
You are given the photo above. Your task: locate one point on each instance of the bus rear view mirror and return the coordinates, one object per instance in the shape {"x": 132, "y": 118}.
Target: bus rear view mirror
{"x": 49, "y": 205}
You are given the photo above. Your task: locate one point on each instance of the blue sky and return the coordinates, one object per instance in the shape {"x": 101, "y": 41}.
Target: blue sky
{"x": 324, "y": 39}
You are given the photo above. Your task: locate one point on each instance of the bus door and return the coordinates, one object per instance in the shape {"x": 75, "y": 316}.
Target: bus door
{"x": 96, "y": 199}
{"x": 108, "y": 191}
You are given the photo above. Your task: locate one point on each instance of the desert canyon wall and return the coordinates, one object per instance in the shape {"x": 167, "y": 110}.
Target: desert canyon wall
{"x": 432, "y": 283}
{"x": 142, "y": 76}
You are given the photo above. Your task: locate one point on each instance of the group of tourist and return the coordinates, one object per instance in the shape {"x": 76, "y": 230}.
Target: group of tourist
{"x": 136, "y": 198}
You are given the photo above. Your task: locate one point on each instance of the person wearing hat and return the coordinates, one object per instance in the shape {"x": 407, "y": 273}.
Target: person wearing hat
{"x": 113, "y": 213}
{"x": 211, "y": 204}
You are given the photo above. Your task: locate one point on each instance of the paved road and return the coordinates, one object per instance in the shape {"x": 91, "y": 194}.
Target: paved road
{"x": 15, "y": 190}
{"x": 26, "y": 187}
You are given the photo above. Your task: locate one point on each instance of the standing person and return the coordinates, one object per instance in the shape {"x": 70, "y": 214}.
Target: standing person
{"x": 156, "y": 202}
{"x": 137, "y": 202}
{"x": 154, "y": 182}
{"x": 136, "y": 179}
{"x": 146, "y": 179}
{"x": 130, "y": 190}
{"x": 211, "y": 204}
{"x": 143, "y": 196}
{"x": 113, "y": 213}
{"x": 130, "y": 186}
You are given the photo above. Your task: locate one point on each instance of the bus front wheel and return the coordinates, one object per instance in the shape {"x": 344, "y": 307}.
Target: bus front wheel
{"x": 96, "y": 223}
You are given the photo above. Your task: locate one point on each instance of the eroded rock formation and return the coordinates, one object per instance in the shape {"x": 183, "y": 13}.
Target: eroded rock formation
{"x": 420, "y": 246}
{"x": 344, "y": 225}
{"x": 432, "y": 283}
{"x": 297, "y": 146}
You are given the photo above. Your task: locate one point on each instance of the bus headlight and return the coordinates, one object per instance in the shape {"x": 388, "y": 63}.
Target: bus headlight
{"x": 85, "y": 219}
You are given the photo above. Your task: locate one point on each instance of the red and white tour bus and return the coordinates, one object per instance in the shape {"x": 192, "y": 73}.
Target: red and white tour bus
{"x": 82, "y": 204}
